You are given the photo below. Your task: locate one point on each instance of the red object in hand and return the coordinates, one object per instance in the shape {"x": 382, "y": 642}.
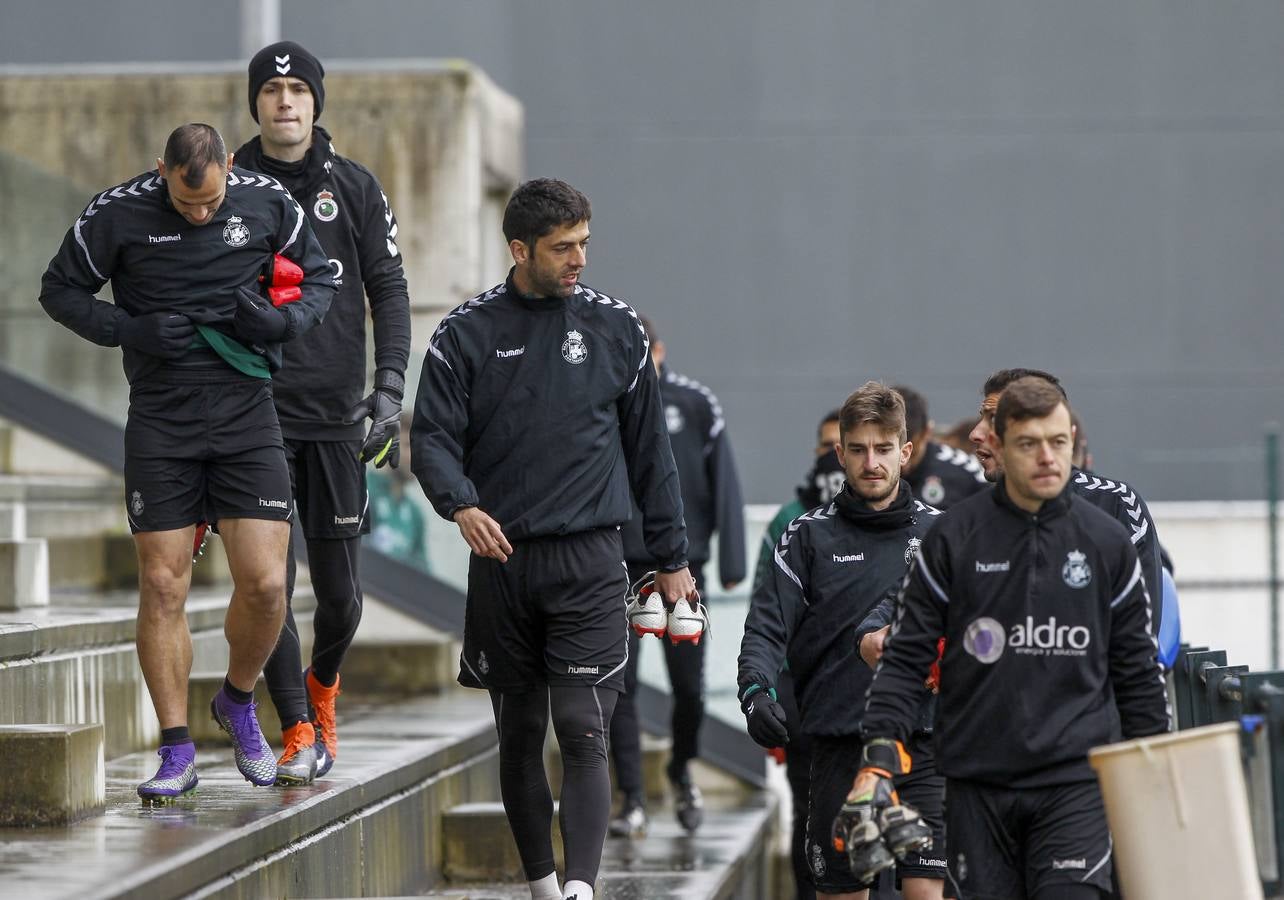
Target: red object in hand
{"x": 778, "y": 754}
{"x": 282, "y": 277}
{"x": 934, "y": 674}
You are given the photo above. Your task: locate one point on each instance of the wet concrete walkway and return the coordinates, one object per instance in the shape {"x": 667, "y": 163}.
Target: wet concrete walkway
{"x": 668, "y": 863}
{"x": 133, "y": 850}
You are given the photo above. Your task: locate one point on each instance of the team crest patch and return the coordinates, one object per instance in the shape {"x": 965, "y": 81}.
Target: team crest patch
{"x": 912, "y": 550}
{"x": 325, "y": 208}
{"x": 817, "y": 860}
{"x": 673, "y": 419}
{"x": 482, "y": 663}
{"x": 136, "y": 503}
{"x": 1076, "y": 572}
{"x": 573, "y": 349}
{"x": 235, "y": 232}
{"x": 933, "y": 490}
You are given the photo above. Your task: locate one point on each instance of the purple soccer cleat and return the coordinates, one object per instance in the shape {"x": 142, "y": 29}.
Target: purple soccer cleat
{"x": 254, "y": 757}
{"x": 175, "y": 778}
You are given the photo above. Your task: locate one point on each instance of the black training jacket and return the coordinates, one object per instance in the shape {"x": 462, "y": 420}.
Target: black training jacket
{"x": 545, "y": 413}
{"x": 832, "y": 565}
{"x": 880, "y": 617}
{"x": 157, "y": 261}
{"x": 711, "y": 499}
{"x": 1048, "y": 644}
{"x": 323, "y": 374}
{"x": 944, "y": 476}
{"x": 1126, "y": 506}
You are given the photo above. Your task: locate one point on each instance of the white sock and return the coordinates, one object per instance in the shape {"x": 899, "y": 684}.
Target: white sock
{"x": 577, "y": 890}
{"x": 546, "y": 888}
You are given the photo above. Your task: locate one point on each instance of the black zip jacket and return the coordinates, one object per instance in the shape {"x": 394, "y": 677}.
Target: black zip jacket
{"x": 1126, "y": 506}
{"x": 1048, "y": 644}
{"x": 157, "y": 261}
{"x": 944, "y": 476}
{"x": 833, "y": 564}
{"x": 545, "y": 413}
{"x": 323, "y": 374}
{"x": 711, "y": 499}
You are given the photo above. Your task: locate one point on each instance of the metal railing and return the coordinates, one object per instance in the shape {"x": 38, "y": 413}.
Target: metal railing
{"x": 1207, "y": 691}
{"x": 405, "y": 588}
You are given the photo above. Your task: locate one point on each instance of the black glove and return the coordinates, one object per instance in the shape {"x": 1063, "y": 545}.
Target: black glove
{"x": 257, "y": 321}
{"x": 163, "y": 334}
{"x": 383, "y": 405}
{"x": 764, "y": 716}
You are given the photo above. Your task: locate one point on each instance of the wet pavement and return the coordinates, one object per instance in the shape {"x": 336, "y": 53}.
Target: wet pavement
{"x": 668, "y": 863}
{"x": 132, "y": 850}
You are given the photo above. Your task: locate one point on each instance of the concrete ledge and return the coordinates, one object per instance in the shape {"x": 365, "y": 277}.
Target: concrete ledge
{"x": 480, "y": 846}
{"x": 24, "y": 573}
{"x": 367, "y": 829}
{"x": 53, "y": 773}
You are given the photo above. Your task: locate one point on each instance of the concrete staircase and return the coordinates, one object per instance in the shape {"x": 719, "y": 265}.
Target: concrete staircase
{"x": 413, "y": 749}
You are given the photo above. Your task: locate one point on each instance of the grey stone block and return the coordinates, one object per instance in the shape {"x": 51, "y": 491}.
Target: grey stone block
{"x": 24, "y": 573}
{"x": 54, "y": 774}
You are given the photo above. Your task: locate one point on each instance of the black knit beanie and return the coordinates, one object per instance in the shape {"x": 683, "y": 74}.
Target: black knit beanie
{"x": 286, "y": 59}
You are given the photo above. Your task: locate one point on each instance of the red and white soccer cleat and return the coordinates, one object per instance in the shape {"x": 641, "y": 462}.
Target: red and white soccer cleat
{"x": 645, "y": 609}
{"x": 688, "y": 621}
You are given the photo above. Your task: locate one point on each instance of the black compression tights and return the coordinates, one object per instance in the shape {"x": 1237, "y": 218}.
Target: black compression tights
{"x": 337, "y": 585}
{"x": 581, "y": 716}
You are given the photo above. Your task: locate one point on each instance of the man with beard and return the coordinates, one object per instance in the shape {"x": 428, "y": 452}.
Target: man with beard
{"x": 537, "y": 423}
{"x": 184, "y": 247}
{"x": 1048, "y": 653}
{"x": 831, "y": 567}
{"x": 319, "y": 390}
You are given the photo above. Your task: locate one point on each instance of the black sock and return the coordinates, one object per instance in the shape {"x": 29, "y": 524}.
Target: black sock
{"x": 236, "y": 694}
{"x": 172, "y": 737}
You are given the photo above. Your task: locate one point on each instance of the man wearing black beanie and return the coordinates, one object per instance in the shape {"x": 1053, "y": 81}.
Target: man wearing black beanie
{"x": 320, "y": 390}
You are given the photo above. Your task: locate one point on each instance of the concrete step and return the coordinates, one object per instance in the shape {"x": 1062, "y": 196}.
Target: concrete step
{"x": 656, "y": 752}
{"x": 400, "y": 668}
{"x": 76, "y": 661}
{"x": 728, "y": 857}
{"x": 367, "y": 829}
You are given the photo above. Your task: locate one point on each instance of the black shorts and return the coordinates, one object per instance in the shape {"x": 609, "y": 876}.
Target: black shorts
{"x": 552, "y": 614}
{"x": 924, "y": 789}
{"x": 1006, "y": 842}
{"x": 834, "y": 764}
{"x": 196, "y": 448}
{"x": 328, "y": 482}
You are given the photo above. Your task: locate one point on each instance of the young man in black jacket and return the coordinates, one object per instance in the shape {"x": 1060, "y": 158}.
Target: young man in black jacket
{"x": 1113, "y": 497}
{"x": 1048, "y": 653}
{"x": 832, "y": 566}
{"x": 184, "y": 248}
{"x": 537, "y": 422}
{"x": 711, "y": 501}
{"x": 319, "y": 389}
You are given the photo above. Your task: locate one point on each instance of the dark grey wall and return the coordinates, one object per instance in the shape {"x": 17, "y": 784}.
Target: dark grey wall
{"x": 808, "y": 195}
